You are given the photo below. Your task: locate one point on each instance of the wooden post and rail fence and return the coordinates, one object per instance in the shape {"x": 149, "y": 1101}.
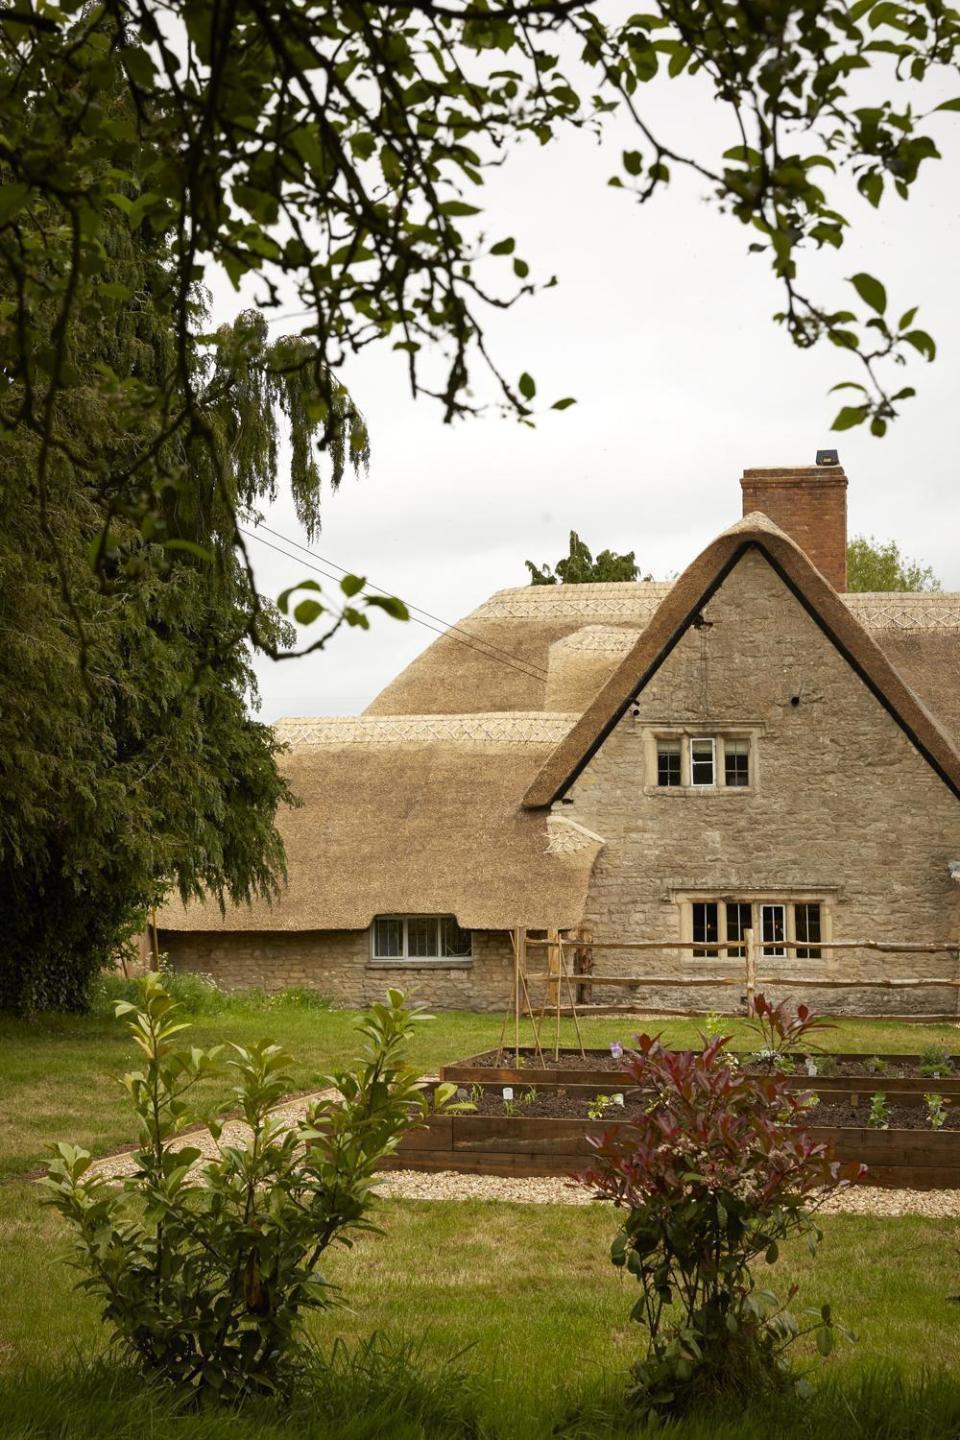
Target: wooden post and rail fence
{"x": 578, "y": 981}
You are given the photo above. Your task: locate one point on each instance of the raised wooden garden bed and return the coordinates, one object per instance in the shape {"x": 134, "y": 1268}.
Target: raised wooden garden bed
{"x": 518, "y": 1145}
{"x": 909, "y": 1155}
{"x": 577, "y": 1075}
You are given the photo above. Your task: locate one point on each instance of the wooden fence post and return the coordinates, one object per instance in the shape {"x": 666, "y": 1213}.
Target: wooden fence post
{"x": 554, "y": 964}
{"x": 583, "y": 964}
{"x": 751, "y": 968}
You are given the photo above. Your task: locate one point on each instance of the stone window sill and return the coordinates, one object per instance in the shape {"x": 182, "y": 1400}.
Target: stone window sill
{"x": 688, "y": 792}
{"x": 421, "y": 964}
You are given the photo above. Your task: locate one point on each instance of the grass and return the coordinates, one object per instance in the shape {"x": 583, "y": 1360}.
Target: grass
{"x": 58, "y": 1072}
{"x": 525, "y": 1296}
{"x": 528, "y": 1297}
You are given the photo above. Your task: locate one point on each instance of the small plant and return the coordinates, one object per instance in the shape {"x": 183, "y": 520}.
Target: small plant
{"x": 510, "y": 1107}
{"x": 711, "y": 1179}
{"x": 529, "y": 1096}
{"x": 935, "y": 1061}
{"x": 782, "y": 1028}
{"x": 875, "y": 1065}
{"x": 206, "y": 1270}
{"x": 713, "y": 1024}
{"x": 826, "y": 1065}
{"x": 879, "y": 1116}
{"x": 475, "y": 1094}
{"x": 936, "y": 1111}
{"x": 599, "y": 1105}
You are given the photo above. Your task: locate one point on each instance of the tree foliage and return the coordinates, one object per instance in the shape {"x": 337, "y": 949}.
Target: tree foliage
{"x": 578, "y": 567}
{"x": 874, "y": 565}
{"x": 338, "y": 152}
{"x": 129, "y": 760}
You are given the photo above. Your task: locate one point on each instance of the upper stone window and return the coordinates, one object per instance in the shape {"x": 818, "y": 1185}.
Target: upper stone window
{"x": 704, "y": 762}
{"x": 419, "y": 939}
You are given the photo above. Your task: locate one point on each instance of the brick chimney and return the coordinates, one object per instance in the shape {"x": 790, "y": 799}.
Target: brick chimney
{"x": 810, "y": 504}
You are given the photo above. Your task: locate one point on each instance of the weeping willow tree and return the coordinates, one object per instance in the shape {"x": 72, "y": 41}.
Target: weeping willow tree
{"x": 129, "y": 758}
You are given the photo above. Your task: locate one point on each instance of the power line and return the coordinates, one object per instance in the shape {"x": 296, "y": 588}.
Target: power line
{"x": 514, "y": 659}
{"x": 507, "y": 663}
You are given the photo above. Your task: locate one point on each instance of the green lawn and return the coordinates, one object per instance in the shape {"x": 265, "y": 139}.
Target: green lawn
{"x": 58, "y": 1073}
{"x": 526, "y": 1292}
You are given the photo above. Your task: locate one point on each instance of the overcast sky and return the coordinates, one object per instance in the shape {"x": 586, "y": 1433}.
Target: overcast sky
{"x": 660, "y": 326}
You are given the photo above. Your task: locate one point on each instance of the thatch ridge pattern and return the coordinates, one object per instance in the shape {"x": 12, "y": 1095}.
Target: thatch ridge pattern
{"x": 509, "y": 727}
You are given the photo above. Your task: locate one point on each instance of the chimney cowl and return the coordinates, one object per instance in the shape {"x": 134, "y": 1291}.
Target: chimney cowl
{"x": 809, "y": 503}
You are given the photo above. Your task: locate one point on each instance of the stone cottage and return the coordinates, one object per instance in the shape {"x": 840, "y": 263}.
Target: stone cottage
{"x": 749, "y": 747}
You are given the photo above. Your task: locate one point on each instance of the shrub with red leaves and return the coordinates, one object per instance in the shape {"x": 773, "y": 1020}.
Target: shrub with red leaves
{"x": 781, "y": 1027}
{"x": 716, "y": 1173}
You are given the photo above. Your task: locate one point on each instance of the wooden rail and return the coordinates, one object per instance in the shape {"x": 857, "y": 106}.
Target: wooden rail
{"x": 742, "y": 952}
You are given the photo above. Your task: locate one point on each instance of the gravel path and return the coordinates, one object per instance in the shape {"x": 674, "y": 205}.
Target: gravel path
{"x": 449, "y": 1185}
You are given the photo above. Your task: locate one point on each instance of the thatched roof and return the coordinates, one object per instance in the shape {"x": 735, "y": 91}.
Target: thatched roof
{"x": 417, "y": 814}
{"x": 418, "y": 805}
{"x": 562, "y": 640}
{"x": 678, "y": 611}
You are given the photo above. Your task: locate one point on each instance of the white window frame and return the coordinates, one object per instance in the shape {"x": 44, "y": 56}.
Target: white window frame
{"x": 408, "y": 961}
{"x": 774, "y": 950}
{"x": 710, "y": 740}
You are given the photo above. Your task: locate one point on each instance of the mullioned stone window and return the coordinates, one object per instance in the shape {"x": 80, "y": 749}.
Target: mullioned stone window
{"x": 686, "y": 760}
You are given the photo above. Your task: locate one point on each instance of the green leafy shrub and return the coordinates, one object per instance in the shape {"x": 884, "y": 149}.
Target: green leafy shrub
{"x": 936, "y": 1111}
{"x": 199, "y": 994}
{"x": 879, "y": 1116}
{"x": 714, "y": 1175}
{"x": 935, "y": 1061}
{"x": 206, "y": 1268}
{"x": 874, "y": 1065}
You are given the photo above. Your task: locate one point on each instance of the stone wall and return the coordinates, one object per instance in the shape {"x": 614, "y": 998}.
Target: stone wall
{"x": 843, "y": 808}
{"x": 337, "y": 963}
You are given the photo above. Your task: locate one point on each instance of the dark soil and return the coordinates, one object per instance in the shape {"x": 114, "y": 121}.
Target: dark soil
{"x": 553, "y": 1103}
{"x": 893, "y": 1067}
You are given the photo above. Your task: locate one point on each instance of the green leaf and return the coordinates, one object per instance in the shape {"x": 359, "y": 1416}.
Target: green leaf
{"x": 849, "y": 416}
{"x": 503, "y": 247}
{"x": 527, "y": 386}
{"x": 307, "y": 611}
{"x": 521, "y": 268}
{"x": 870, "y": 291}
{"x": 352, "y": 585}
{"x": 563, "y": 404}
{"x": 458, "y": 207}
{"x": 948, "y": 105}
{"x": 871, "y": 186}
{"x": 923, "y": 342}
{"x": 632, "y": 162}
{"x": 391, "y": 604}
{"x": 283, "y": 599}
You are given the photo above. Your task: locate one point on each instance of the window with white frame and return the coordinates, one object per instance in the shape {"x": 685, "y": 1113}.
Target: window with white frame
{"x": 704, "y": 762}
{"x": 773, "y": 929}
{"x": 416, "y": 939}
{"x": 718, "y": 927}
